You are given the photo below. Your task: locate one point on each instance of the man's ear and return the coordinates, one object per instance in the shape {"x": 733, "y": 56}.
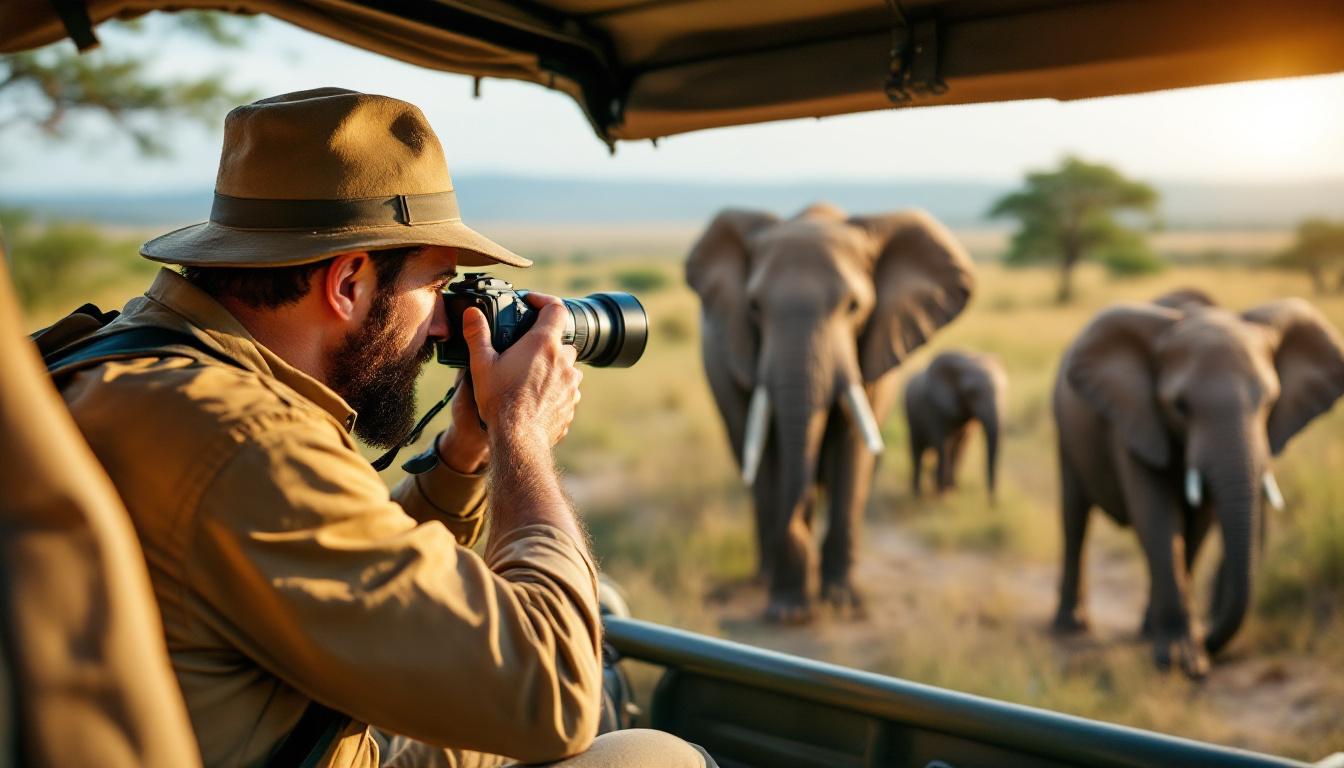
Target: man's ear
{"x": 349, "y": 284}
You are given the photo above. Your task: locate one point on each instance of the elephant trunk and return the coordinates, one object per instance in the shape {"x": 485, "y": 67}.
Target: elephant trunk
{"x": 800, "y": 407}
{"x": 1235, "y": 485}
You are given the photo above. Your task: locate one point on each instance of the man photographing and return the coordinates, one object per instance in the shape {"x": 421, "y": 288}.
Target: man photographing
{"x": 303, "y": 605}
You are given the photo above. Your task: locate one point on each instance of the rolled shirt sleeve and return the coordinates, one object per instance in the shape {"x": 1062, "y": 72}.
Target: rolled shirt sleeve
{"x": 446, "y": 495}
{"x": 304, "y": 562}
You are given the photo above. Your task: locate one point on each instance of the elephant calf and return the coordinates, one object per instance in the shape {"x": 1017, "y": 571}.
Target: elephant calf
{"x": 1168, "y": 415}
{"x": 942, "y": 400}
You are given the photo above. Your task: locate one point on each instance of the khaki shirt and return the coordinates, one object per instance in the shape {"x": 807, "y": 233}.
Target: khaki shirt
{"x": 285, "y": 572}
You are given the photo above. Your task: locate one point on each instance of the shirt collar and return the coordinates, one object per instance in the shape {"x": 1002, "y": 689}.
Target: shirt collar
{"x": 190, "y": 309}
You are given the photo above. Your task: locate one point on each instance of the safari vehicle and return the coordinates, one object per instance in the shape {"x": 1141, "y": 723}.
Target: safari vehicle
{"x": 642, "y": 69}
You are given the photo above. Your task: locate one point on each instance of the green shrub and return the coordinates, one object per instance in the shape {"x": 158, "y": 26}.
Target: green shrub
{"x": 674, "y": 328}
{"x": 580, "y": 283}
{"x": 646, "y": 279}
{"x": 54, "y": 262}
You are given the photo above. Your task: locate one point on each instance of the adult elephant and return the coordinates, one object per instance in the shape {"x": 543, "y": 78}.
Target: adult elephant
{"x": 1168, "y": 415}
{"x": 804, "y": 323}
{"x": 958, "y": 388}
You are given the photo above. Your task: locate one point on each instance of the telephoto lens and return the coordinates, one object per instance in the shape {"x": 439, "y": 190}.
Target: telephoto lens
{"x": 609, "y": 330}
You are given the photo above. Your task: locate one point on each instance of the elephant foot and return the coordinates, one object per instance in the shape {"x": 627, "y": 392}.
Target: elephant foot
{"x": 793, "y": 609}
{"x": 844, "y": 599}
{"x": 1182, "y": 653}
{"x": 1069, "y": 623}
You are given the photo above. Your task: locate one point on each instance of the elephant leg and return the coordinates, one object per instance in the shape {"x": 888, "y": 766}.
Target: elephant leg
{"x": 848, "y": 478}
{"x": 943, "y": 462}
{"x": 1076, "y": 510}
{"x": 954, "y": 454}
{"x": 1156, "y": 513}
{"x": 1197, "y": 524}
{"x": 918, "y": 446}
{"x": 791, "y": 565}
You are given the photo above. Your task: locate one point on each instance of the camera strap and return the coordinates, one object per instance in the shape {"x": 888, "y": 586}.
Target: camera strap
{"x": 415, "y": 466}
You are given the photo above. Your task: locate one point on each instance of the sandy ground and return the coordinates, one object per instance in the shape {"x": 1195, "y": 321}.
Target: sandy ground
{"x": 908, "y": 586}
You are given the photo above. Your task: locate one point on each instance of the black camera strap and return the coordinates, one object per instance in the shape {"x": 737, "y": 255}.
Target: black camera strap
{"x": 385, "y": 461}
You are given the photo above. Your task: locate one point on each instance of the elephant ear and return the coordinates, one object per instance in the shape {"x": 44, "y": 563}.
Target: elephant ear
{"x": 717, "y": 269}
{"x": 922, "y": 279}
{"x": 1309, "y": 359}
{"x": 1111, "y": 367}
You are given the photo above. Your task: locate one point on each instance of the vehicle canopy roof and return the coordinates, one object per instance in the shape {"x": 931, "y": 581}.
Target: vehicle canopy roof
{"x": 642, "y": 69}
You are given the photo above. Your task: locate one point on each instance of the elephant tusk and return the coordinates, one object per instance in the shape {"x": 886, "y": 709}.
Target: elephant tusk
{"x": 1272, "y": 493}
{"x": 753, "y": 445}
{"x": 1194, "y": 490}
{"x": 861, "y": 415}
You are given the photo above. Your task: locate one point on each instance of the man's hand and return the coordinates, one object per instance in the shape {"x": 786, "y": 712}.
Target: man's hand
{"x": 530, "y": 390}
{"x": 526, "y": 397}
{"x": 464, "y": 446}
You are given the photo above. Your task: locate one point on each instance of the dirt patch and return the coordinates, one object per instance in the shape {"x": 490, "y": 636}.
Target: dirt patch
{"x": 974, "y": 602}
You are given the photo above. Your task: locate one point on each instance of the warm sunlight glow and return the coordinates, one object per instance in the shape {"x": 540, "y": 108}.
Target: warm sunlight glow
{"x": 1286, "y": 121}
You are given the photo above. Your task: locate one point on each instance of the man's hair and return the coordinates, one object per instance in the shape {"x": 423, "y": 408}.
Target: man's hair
{"x": 274, "y": 287}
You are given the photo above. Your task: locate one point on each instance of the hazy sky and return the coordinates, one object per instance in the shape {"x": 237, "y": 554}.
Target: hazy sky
{"x": 1287, "y": 130}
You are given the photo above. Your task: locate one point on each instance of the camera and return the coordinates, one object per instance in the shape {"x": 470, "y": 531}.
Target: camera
{"x": 607, "y": 329}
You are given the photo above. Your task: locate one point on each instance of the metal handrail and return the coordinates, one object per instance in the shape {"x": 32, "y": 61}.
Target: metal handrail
{"x": 1013, "y": 726}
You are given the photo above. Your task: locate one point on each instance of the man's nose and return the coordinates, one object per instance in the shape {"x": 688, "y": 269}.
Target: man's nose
{"x": 438, "y": 322}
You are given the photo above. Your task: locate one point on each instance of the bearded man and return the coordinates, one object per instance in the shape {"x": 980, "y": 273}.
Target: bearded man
{"x": 311, "y": 617}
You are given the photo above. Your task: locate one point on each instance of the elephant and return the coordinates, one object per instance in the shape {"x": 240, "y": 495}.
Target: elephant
{"x": 942, "y": 400}
{"x": 804, "y": 322}
{"x": 1168, "y": 415}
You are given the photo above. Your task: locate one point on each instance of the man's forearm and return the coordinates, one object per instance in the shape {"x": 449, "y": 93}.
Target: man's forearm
{"x": 525, "y": 488}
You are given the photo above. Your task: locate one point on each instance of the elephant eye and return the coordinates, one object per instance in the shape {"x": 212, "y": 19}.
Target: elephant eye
{"x": 853, "y": 306}
{"x": 1182, "y": 407}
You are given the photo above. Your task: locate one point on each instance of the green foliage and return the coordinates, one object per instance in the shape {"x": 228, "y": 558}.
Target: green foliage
{"x": 49, "y": 88}
{"x": 1068, "y": 215}
{"x": 57, "y": 262}
{"x": 644, "y": 279}
{"x": 582, "y": 283}
{"x": 1128, "y": 255}
{"x": 1319, "y": 247}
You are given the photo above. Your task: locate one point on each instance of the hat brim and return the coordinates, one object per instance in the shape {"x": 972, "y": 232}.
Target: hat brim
{"x": 214, "y": 245}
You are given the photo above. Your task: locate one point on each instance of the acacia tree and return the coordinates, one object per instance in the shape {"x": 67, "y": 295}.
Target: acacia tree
{"x": 50, "y": 88}
{"x": 1069, "y": 214}
{"x": 1319, "y": 247}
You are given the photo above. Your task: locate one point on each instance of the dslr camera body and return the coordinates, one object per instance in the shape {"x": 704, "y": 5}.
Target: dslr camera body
{"x": 608, "y": 329}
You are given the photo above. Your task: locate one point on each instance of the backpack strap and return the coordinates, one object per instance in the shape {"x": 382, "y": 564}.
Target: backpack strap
{"x": 307, "y": 743}
{"x": 132, "y": 343}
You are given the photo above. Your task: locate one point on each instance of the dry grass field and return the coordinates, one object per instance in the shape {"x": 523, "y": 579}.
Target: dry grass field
{"x": 960, "y": 594}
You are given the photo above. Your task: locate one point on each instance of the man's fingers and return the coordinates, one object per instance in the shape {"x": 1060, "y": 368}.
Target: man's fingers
{"x": 476, "y": 332}
{"x": 551, "y": 321}
{"x": 539, "y": 300}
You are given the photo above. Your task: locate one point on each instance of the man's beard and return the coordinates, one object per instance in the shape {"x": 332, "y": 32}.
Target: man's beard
{"x": 376, "y": 377}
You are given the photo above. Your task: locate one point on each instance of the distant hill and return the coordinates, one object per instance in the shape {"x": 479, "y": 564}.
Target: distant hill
{"x": 487, "y": 198}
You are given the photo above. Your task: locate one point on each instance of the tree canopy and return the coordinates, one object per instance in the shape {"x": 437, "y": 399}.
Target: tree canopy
{"x": 1069, "y": 214}
{"x": 1319, "y": 247}
{"x": 51, "y": 88}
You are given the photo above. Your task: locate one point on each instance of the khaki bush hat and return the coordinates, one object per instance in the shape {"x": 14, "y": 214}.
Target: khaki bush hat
{"x": 312, "y": 174}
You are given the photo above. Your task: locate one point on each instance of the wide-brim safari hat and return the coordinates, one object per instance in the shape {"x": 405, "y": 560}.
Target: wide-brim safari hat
{"x": 312, "y": 174}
